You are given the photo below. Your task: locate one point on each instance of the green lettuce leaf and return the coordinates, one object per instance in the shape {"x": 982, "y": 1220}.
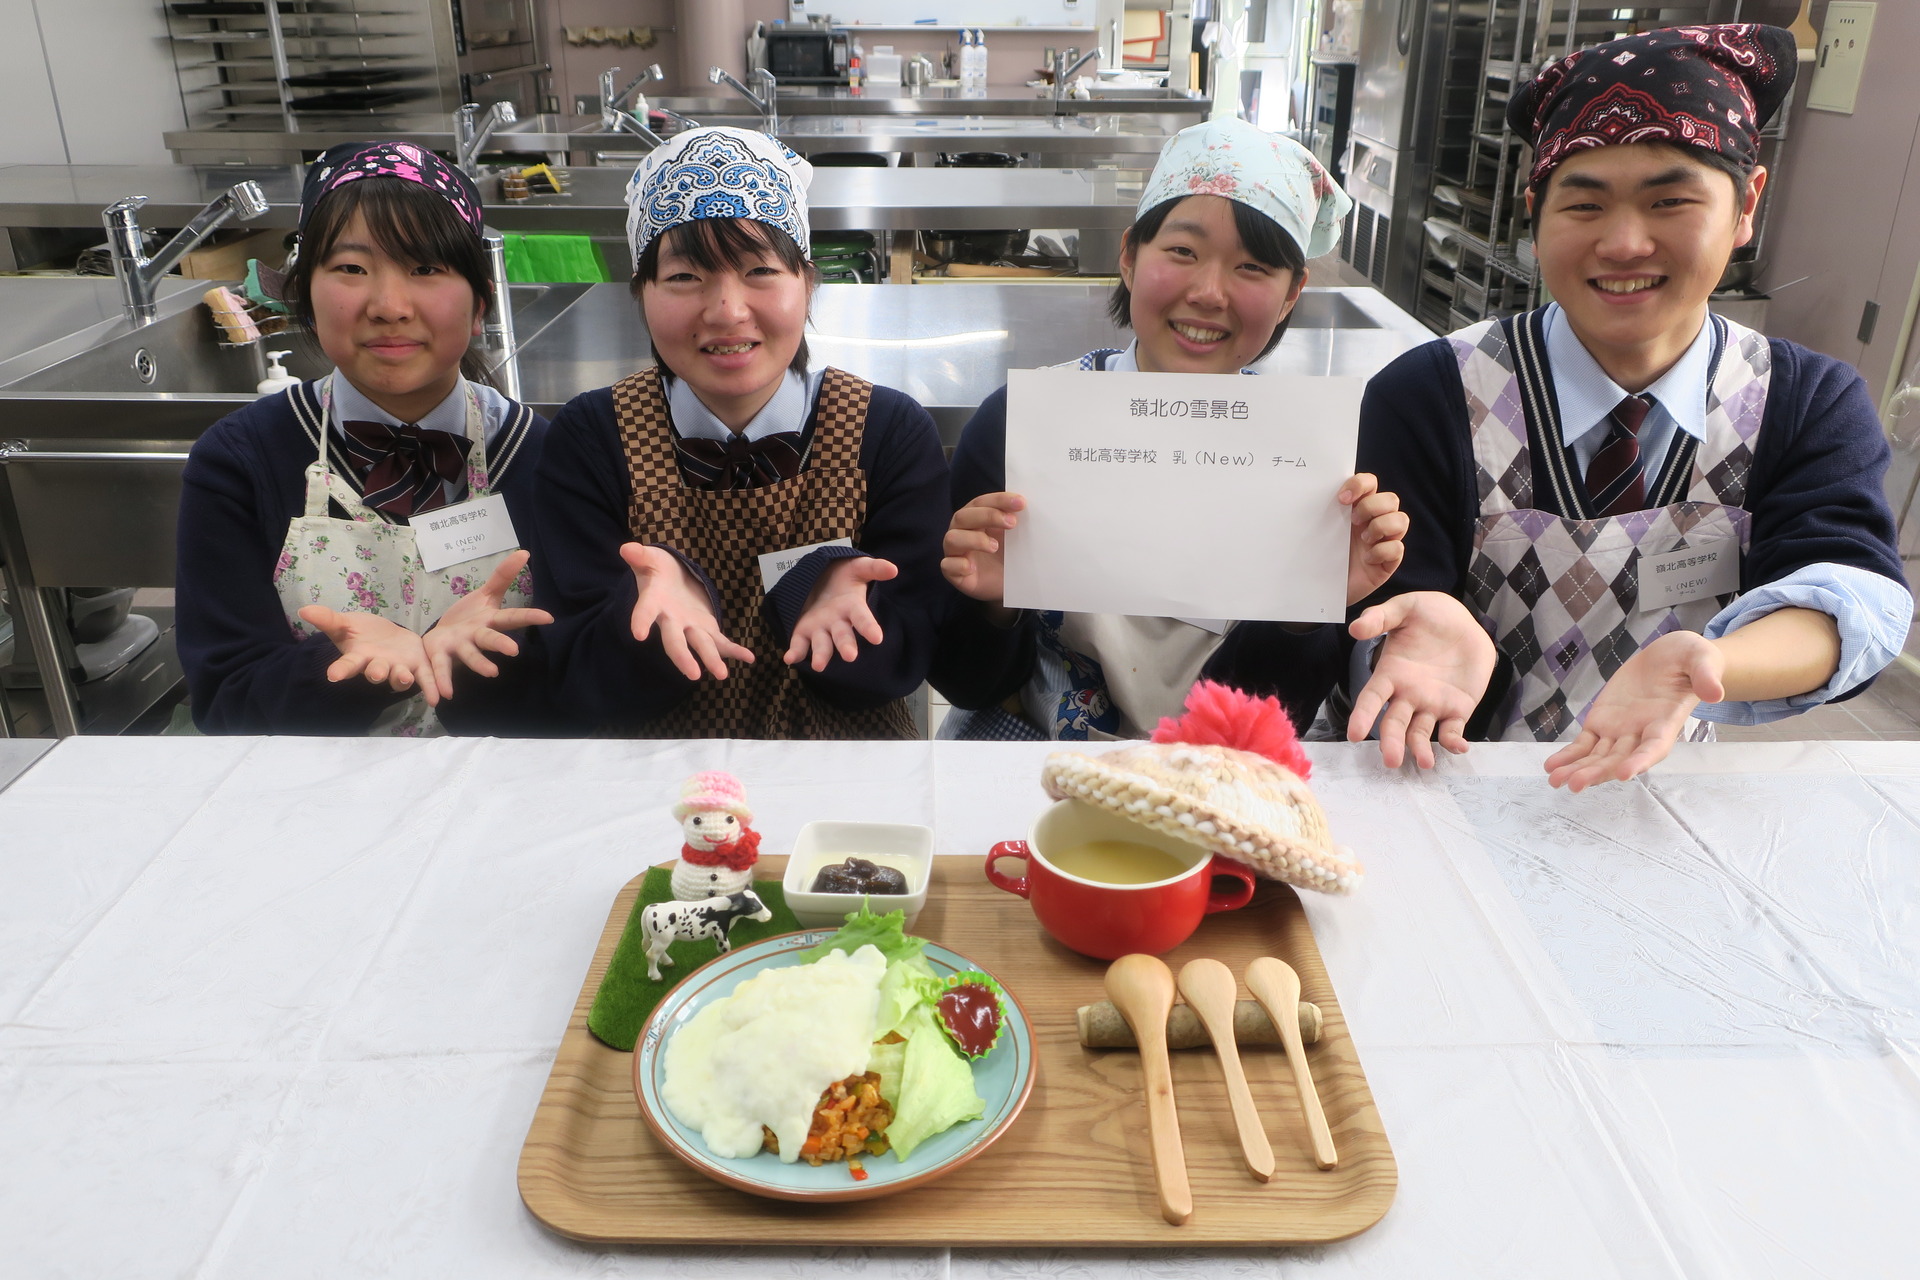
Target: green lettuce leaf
{"x": 889, "y": 1060}
{"x": 936, "y": 1085}
{"x": 864, "y": 928}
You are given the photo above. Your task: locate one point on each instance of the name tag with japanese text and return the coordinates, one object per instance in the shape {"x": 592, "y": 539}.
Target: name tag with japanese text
{"x": 464, "y": 531}
{"x": 1711, "y": 569}
{"x": 775, "y": 565}
{"x": 1180, "y": 495}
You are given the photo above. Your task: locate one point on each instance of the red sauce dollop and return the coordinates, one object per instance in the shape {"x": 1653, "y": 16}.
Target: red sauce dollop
{"x": 971, "y": 1013}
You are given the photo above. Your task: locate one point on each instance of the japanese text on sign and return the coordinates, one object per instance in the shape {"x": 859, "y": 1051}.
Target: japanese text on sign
{"x": 1232, "y": 410}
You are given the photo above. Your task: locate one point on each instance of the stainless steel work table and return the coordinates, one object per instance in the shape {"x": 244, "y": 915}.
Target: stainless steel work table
{"x": 1078, "y": 134}
{"x": 839, "y": 199}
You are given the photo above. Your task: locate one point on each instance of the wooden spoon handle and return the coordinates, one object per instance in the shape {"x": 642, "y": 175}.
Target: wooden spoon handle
{"x": 1323, "y": 1153}
{"x": 1276, "y": 986}
{"x": 1163, "y": 1132}
{"x": 1209, "y": 988}
{"x": 1246, "y": 1120}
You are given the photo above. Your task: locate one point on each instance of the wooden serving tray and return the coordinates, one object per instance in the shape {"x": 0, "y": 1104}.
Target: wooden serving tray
{"x": 1074, "y": 1168}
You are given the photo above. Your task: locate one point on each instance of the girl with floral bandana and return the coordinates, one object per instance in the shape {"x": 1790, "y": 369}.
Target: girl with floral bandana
{"x": 737, "y": 543}
{"x": 1210, "y": 271}
{"x": 304, "y": 602}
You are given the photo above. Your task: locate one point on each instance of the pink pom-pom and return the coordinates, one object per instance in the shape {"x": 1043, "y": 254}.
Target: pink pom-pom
{"x": 1218, "y": 716}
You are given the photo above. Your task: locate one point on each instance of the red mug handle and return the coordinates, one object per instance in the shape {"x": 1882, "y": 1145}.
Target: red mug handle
{"x": 1018, "y": 849}
{"x": 1235, "y": 896}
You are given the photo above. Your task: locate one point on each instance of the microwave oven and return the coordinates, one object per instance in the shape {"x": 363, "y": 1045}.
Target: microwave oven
{"x": 807, "y": 55}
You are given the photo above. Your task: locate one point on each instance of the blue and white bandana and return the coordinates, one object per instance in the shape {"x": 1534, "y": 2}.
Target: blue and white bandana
{"x": 1264, "y": 171}
{"x": 718, "y": 172}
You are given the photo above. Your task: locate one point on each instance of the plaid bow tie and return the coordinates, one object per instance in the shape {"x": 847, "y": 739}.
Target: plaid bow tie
{"x": 740, "y": 463}
{"x": 404, "y": 470}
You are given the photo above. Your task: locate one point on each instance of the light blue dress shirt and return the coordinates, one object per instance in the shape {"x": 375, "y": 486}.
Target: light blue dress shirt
{"x": 787, "y": 411}
{"x": 1873, "y": 612}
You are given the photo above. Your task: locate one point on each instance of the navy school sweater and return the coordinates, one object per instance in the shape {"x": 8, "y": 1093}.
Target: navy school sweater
{"x": 247, "y": 672}
{"x": 979, "y": 665}
{"x": 1815, "y": 493}
{"x": 604, "y": 677}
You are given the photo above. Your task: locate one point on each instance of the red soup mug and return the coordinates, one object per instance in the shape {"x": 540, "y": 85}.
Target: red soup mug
{"x": 1107, "y": 921}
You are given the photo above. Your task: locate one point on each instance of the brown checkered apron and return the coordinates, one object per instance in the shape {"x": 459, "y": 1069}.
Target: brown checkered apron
{"x": 1560, "y": 592}
{"x": 726, "y": 531}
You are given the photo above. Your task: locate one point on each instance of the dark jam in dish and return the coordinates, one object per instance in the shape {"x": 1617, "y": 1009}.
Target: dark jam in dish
{"x": 858, "y": 875}
{"x": 971, "y": 1014}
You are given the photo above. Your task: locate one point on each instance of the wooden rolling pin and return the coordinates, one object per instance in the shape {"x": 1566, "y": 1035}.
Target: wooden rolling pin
{"x": 1102, "y": 1027}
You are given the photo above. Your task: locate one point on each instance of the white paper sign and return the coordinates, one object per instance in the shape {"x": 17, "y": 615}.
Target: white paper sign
{"x": 1710, "y": 569}
{"x": 1180, "y": 495}
{"x": 775, "y": 565}
{"x": 464, "y": 531}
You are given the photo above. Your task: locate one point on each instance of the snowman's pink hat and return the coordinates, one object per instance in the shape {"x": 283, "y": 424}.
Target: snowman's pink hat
{"x": 713, "y": 792}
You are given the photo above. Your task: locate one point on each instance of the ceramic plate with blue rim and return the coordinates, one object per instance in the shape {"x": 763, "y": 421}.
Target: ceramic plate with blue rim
{"x": 1003, "y": 1078}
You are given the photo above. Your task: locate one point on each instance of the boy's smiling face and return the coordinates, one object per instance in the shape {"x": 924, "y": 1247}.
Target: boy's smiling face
{"x": 1631, "y": 240}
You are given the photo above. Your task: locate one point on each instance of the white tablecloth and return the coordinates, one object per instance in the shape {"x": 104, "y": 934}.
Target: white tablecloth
{"x": 283, "y": 1007}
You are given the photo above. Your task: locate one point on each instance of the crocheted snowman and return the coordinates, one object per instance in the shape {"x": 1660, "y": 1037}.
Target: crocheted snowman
{"x": 720, "y": 848}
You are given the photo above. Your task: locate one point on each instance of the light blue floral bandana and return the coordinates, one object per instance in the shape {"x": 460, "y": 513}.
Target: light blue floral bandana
{"x": 718, "y": 172}
{"x": 1264, "y": 171}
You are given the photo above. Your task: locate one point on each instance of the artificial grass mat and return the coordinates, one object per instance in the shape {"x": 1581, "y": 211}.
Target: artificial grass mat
{"x": 627, "y": 995}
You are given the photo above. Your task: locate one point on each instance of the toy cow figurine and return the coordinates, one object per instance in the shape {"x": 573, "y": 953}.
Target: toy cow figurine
{"x": 664, "y": 923}
{"x": 720, "y": 848}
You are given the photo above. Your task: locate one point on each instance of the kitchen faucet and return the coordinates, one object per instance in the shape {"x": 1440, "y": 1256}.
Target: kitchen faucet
{"x": 763, "y": 100}
{"x": 1063, "y": 70}
{"x": 139, "y": 274}
{"x": 613, "y": 119}
{"x": 470, "y": 139}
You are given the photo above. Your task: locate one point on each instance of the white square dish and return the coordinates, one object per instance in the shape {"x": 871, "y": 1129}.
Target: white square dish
{"x": 901, "y": 845}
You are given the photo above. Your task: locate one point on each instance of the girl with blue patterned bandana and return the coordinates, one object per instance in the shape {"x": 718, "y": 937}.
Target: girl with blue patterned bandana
{"x": 1210, "y": 272}
{"x": 742, "y": 545}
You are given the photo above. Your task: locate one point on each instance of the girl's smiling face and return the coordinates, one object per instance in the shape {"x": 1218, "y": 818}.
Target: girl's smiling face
{"x": 396, "y": 329}
{"x": 730, "y": 329}
{"x": 1200, "y": 301}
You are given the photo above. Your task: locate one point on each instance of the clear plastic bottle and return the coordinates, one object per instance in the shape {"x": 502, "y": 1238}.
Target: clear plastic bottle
{"x": 969, "y": 61}
{"x": 856, "y": 63}
{"x": 980, "y": 59}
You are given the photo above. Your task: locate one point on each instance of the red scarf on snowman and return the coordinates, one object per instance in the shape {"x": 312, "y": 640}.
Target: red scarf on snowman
{"x": 737, "y": 854}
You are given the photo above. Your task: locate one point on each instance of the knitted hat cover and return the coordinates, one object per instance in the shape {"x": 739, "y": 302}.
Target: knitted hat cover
{"x": 713, "y": 792}
{"x": 1218, "y": 786}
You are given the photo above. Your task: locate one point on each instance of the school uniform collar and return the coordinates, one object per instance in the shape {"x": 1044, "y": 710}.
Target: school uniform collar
{"x": 1128, "y": 361}
{"x": 450, "y": 415}
{"x": 1586, "y": 395}
{"x": 791, "y": 406}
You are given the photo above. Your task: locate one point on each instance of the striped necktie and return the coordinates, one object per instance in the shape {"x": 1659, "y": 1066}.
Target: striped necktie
{"x": 1616, "y": 482}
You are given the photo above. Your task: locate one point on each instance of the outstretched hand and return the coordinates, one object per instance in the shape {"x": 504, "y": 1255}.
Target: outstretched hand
{"x": 382, "y": 651}
{"x": 974, "y": 548}
{"x": 1377, "y": 541}
{"x": 1432, "y": 670}
{"x": 836, "y": 612}
{"x": 1634, "y": 721}
{"x": 477, "y": 622}
{"x": 670, "y": 599}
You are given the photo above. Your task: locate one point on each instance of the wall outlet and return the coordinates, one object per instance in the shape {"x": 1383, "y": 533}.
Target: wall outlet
{"x": 1842, "y": 56}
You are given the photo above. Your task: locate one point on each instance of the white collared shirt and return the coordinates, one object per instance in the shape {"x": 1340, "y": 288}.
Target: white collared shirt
{"x": 450, "y": 415}
{"x": 789, "y": 409}
{"x": 1587, "y": 395}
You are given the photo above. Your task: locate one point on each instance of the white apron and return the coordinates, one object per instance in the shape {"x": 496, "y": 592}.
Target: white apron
{"x": 368, "y": 563}
{"x": 1561, "y": 593}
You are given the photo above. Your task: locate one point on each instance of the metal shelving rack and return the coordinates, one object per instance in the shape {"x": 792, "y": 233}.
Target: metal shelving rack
{"x": 1477, "y": 255}
{"x": 256, "y": 60}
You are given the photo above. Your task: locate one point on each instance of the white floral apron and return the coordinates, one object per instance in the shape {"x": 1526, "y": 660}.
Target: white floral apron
{"x": 1561, "y": 593}
{"x": 368, "y": 562}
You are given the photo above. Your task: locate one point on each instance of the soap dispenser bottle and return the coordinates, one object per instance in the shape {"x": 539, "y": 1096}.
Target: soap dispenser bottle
{"x": 277, "y": 379}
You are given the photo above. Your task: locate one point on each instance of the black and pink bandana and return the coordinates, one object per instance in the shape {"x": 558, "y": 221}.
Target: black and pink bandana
{"x": 1712, "y": 87}
{"x": 352, "y": 161}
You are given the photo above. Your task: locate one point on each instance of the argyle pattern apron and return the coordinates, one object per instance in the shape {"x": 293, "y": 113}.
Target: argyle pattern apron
{"x": 726, "y": 531}
{"x": 1560, "y": 593}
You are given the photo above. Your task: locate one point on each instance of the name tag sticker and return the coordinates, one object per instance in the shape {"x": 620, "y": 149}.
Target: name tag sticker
{"x": 464, "y": 531}
{"x": 1711, "y": 569}
{"x": 776, "y": 565}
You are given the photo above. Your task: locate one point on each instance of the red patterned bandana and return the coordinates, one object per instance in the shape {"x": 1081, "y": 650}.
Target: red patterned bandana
{"x": 1709, "y": 87}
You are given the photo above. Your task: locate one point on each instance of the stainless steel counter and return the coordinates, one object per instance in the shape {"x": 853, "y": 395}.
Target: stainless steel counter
{"x": 1077, "y": 133}
{"x": 949, "y": 100}
{"x": 840, "y": 199}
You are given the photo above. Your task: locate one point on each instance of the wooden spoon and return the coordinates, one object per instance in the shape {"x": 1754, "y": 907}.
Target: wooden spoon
{"x": 1275, "y": 985}
{"x": 1209, "y": 987}
{"x": 1141, "y": 988}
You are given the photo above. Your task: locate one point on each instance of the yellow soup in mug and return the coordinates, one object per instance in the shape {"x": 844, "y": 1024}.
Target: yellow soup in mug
{"x": 1117, "y": 862}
